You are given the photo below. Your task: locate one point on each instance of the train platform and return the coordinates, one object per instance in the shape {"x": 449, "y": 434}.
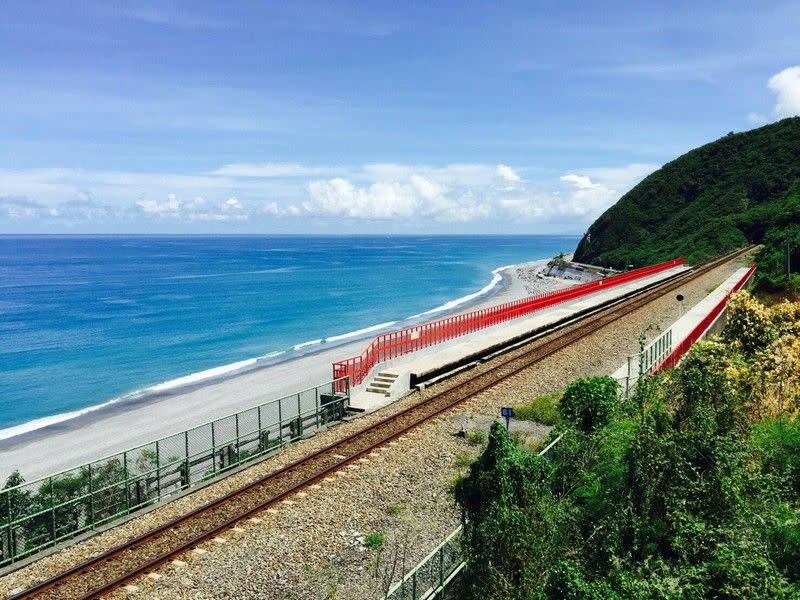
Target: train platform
{"x": 395, "y": 378}
{"x": 704, "y": 318}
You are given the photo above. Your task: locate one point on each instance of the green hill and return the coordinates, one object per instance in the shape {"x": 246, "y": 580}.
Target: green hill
{"x": 743, "y": 188}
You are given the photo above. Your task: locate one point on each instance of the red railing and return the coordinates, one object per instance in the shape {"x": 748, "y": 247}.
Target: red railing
{"x": 397, "y": 343}
{"x": 674, "y": 357}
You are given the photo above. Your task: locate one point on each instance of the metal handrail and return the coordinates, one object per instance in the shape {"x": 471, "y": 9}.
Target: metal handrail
{"x": 397, "y": 343}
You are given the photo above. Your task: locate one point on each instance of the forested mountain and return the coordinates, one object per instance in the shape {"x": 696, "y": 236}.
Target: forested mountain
{"x": 742, "y": 188}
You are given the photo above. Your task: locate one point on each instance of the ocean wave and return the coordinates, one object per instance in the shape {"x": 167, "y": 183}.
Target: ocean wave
{"x": 171, "y": 385}
{"x": 35, "y": 424}
{"x": 497, "y": 277}
{"x": 201, "y": 376}
{"x": 307, "y": 344}
{"x": 360, "y": 332}
{"x": 256, "y": 272}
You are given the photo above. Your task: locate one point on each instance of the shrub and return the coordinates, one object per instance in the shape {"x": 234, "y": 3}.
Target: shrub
{"x": 476, "y": 438}
{"x": 712, "y": 387}
{"x": 589, "y": 403}
{"x": 543, "y": 409}
{"x": 749, "y": 324}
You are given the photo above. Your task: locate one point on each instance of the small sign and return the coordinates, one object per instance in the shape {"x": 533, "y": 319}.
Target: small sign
{"x": 507, "y": 412}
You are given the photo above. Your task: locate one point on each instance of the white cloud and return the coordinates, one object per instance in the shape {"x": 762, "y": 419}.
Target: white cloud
{"x": 476, "y": 196}
{"x": 271, "y": 208}
{"x": 427, "y": 189}
{"x": 268, "y": 170}
{"x": 590, "y": 193}
{"x": 581, "y": 182}
{"x": 465, "y": 174}
{"x": 757, "y": 118}
{"x": 621, "y": 179}
{"x": 170, "y": 208}
{"x": 20, "y": 208}
{"x": 196, "y": 209}
{"x": 786, "y": 85}
{"x": 232, "y": 204}
{"x": 508, "y": 174}
{"x": 182, "y": 20}
{"x": 338, "y": 197}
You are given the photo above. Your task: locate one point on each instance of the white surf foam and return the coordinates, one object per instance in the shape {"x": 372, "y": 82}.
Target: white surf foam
{"x": 10, "y": 432}
{"x": 165, "y": 386}
{"x": 496, "y": 279}
{"x": 360, "y": 332}
{"x": 307, "y": 344}
{"x": 201, "y": 376}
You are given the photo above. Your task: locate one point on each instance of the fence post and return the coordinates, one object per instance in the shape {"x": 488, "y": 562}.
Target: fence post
{"x": 52, "y": 509}
{"x": 91, "y": 498}
{"x": 158, "y": 469}
{"x": 316, "y": 406}
{"x": 127, "y": 483}
{"x": 628, "y": 379}
{"x": 299, "y": 417}
{"x": 237, "y": 437}
{"x": 280, "y": 422}
{"x": 213, "y": 450}
{"x": 11, "y": 550}
{"x": 187, "y": 467}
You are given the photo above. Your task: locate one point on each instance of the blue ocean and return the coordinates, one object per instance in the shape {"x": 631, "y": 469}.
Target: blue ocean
{"x": 86, "y": 320}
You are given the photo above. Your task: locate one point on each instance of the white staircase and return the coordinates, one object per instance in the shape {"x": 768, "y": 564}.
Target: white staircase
{"x": 382, "y": 382}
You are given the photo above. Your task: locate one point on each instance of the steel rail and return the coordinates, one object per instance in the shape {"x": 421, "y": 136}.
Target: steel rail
{"x": 331, "y": 457}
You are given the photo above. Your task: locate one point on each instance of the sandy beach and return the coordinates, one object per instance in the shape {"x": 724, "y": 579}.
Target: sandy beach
{"x": 128, "y": 424}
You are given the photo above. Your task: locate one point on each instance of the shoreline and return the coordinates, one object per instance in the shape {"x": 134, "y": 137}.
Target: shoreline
{"x": 189, "y": 400}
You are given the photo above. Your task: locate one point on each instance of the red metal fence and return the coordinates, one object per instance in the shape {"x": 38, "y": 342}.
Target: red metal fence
{"x": 397, "y": 343}
{"x": 674, "y": 357}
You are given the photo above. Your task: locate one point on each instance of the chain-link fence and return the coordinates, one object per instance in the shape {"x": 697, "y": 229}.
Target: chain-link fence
{"x": 35, "y": 515}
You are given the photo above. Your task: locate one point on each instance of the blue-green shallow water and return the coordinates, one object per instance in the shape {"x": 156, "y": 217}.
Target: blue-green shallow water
{"x": 84, "y": 320}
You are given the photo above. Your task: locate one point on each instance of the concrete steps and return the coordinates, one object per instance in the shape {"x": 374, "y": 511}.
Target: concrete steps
{"x": 382, "y": 382}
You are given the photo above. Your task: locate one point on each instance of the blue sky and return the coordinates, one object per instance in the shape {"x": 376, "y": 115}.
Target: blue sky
{"x": 364, "y": 117}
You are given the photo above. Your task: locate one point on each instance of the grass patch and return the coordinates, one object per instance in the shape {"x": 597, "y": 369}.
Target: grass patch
{"x": 394, "y": 509}
{"x": 477, "y": 438}
{"x": 462, "y": 460}
{"x": 543, "y": 409}
{"x": 375, "y": 540}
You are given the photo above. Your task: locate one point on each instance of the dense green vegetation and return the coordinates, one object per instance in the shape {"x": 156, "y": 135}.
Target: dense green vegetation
{"x": 690, "y": 489}
{"x": 543, "y": 409}
{"x": 743, "y": 188}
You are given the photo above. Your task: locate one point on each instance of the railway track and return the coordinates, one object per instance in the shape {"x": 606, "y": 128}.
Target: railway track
{"x": 112, "y": 569}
